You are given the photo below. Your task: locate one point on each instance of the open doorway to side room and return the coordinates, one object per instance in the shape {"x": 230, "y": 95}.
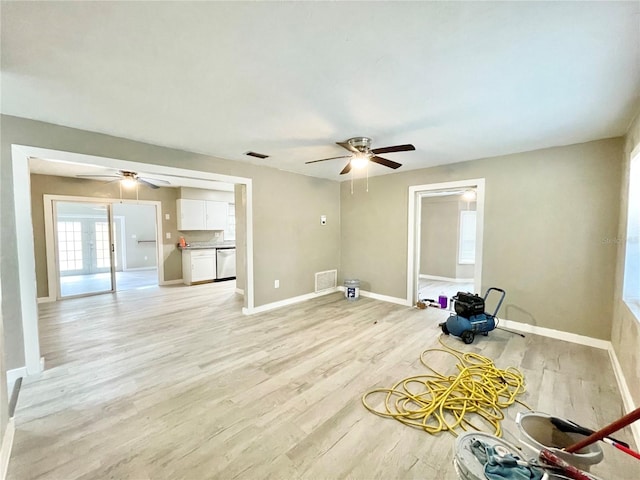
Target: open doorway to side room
{"x": 81, "y": 262}
{"x": 22, "y": 157}
{"x": 447, "y": 244}
{"x": 445, "y": 239}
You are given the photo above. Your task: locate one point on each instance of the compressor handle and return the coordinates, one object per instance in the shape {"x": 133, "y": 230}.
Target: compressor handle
{"x": 502, "y": 295}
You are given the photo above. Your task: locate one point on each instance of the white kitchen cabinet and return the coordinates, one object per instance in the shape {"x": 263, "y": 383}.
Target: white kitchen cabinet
{"x": 198, "y": 266}
{"x": 202, "y": 214}
{"x": 191, "y": 214}
{"x": 216, "y": 215}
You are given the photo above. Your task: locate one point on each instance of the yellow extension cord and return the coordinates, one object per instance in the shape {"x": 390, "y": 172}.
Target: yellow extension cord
{"x": 437, "y": 402}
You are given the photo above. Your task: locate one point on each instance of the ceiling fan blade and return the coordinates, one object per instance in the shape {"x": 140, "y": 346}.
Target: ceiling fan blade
{"x": 395, "y": 148}
{"x": 148, "y": 184}
{"x": 348, "y": 146}
{"x": 330, "y": 158}
{"x": 154, "y": 180}
{"x": 385, "y": 162}
{"x": 346, "y": 169}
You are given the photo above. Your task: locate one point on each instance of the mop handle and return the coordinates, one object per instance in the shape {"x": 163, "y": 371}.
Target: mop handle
{"x": 603, "y": 432}
{"x": 621, "y": 447}
{"x": 567, "y": 470}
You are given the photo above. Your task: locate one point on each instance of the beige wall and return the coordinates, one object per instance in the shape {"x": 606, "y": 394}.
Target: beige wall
{"x": 47, "y": 184}
{"x": 546, "y": 215}
{"x": 289, "y": 242}
{"x": 439, "y": 236}
{"x": 625, "y": 331}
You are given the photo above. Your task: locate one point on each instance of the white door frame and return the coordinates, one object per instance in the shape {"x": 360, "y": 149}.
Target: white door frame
{"x": 416, "y": 192}
{"x": 52, "y": 264}
{"x": 24, "y": 230}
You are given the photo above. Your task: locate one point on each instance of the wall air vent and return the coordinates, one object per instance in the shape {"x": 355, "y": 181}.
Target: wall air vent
{"x": 326, "y": 280}
{"x": 257, "y": 155}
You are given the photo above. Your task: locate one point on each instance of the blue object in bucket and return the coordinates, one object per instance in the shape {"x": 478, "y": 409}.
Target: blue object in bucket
{"x": 502, "y": 467}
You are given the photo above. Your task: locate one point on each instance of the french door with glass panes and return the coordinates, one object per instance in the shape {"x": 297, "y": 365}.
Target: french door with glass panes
{"x": 84, "y": 248}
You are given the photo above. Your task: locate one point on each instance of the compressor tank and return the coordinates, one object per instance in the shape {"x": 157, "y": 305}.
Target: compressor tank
{"x": 456, "y": 324}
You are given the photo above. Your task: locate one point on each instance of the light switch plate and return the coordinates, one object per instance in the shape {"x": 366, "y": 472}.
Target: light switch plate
{"x": 167, "y": 216}
{"x": 168, "y": 235}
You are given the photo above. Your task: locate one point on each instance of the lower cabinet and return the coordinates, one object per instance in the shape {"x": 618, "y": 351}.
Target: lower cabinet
{"x": 198, "y": 266}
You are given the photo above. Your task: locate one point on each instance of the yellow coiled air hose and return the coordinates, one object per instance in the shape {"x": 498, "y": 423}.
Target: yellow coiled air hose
{"x": 437, "y": 402}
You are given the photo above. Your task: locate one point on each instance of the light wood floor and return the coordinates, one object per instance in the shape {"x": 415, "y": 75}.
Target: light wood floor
{"x": 101, "y": 282}
{"x": 174, "y": 383}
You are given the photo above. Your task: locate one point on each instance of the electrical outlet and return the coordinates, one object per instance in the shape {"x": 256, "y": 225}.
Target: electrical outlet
{"x": 276, "y": 284}
{"x": 217, "y": 234}
{"x": 168, "y": 235}
{"x": 167, "y": 216}
{"x": 323, "y": 219}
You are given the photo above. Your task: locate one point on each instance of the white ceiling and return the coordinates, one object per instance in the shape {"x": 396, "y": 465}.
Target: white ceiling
{"x": 458, "y": 80}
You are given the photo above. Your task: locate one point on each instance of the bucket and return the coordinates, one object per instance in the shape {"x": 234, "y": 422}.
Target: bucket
{"x": 352, "y": 289}
{"x": 468, "y": 467}
{"x": 537, "y": 432}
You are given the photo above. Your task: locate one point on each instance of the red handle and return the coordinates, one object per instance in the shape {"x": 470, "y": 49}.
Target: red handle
{"x": 626, "y": 450}
{"x": 603, "y": 432}
{"x": 568, "y": 470}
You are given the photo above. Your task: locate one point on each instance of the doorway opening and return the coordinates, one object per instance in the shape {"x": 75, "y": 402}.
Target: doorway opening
{"x": 25, "y": 235}
{"x": 100, "y": 247}
{"x": 445, "y": 232}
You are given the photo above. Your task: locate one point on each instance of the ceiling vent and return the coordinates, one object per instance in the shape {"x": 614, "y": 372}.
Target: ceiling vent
{"x": 257, "y": 155}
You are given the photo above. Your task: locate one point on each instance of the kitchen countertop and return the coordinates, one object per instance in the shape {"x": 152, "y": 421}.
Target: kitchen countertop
{"x": 208, "y": 246}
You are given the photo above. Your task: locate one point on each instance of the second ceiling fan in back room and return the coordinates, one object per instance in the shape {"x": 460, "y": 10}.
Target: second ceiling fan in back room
{"x": 362, "y": 153}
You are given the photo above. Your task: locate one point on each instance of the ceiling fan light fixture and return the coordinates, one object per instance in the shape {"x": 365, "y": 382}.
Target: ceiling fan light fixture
{"x": 359, "y": 160}
{"x": 469, "y": 195}
{"x": 128, "y": 181}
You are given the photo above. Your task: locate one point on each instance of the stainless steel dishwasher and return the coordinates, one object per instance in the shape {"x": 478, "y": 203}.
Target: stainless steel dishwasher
{"x": 225, "y": 263}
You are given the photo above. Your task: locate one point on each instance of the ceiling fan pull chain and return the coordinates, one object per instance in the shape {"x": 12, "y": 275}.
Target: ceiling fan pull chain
{"x": 367, "y": 177}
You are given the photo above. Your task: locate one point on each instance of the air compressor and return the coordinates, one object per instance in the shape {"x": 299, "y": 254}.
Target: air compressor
{"x": 470, "y": 317}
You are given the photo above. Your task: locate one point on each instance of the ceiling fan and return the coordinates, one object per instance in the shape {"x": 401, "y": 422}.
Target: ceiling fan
{"x": 362, "y": 153}
{"x": 129, "y": 179}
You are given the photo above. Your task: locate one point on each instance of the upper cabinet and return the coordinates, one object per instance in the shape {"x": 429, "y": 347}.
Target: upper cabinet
{"x": 191, "y": 214}
{"x": 202, "y": 214}
{"x": 216, "y": 215}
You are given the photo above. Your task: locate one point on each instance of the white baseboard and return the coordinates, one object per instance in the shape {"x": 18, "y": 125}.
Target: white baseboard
{"x": 240, "y": 291}
{"x": 627, "y": 399}
{"x": 446, "y": 279}
{"x": 172, "y": 282}
{"x": 7, "y": 445}
{"x": 286, "y": 301}
{"x": 558, "y": 334}
{"x": 383, "y": 298}
{"x": 137, "y": 269}
{"x": 46, "y": 299}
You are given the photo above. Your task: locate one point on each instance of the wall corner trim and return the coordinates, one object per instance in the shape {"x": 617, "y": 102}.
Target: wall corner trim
{"x": 7, "y": 445}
